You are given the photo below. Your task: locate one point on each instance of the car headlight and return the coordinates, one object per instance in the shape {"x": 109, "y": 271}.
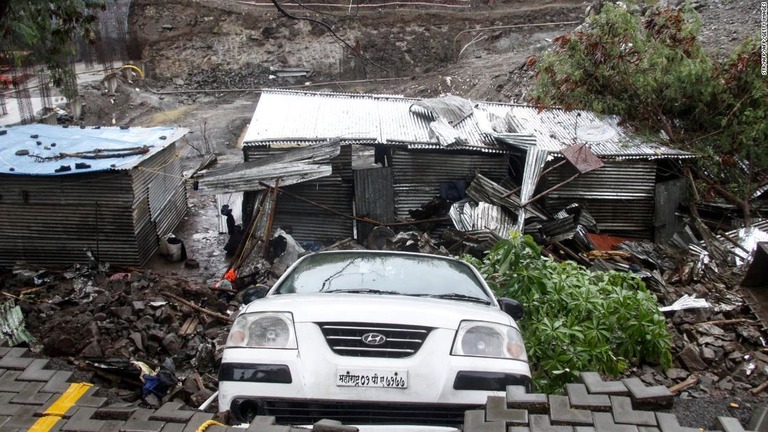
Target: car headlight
{"x": 485, "y": 339}
{"x": 263, "y": 330}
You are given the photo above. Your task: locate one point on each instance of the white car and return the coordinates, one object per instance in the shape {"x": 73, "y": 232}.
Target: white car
{"x": 372, "y": 337}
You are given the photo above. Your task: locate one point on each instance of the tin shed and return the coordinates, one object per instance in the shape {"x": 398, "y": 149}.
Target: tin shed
{"x": 65, "y": 191}
{"x": 426, "y": 142}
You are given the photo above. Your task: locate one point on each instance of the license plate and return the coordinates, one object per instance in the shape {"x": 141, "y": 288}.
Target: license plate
{"x": 372, "y": 378}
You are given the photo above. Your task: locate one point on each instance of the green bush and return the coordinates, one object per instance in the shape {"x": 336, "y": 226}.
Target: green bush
{"x": 576, "y": 320}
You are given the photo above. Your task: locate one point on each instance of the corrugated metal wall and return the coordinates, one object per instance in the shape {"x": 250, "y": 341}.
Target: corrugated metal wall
{"x": 51, "y": 220}
{"x": 620, "y": 195}
{"x": 417, "y": 176}
{"x": 309, "y": 223}
{"x": 373, "y": 198}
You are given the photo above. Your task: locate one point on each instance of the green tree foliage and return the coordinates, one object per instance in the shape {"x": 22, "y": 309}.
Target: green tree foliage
{"x": 43, "y": 31}
{"x": 653, "y": 72}
{"x": 576, "y": 320}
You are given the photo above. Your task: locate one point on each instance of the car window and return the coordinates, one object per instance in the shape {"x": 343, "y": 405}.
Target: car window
{"x": 386, "y": 273}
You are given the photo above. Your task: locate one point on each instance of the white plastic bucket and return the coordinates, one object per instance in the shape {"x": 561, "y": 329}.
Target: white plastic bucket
{"x": 175, "y": 246}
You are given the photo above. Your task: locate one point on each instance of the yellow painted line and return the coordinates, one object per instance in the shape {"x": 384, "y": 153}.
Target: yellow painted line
{"x": 56, "y": 411}
{"x": 44, "y": 424}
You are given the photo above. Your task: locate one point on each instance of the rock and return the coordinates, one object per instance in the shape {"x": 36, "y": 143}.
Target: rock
{"x": 677, "y": 374}
{"x": 137, "y": 340}
{"x": 709, "y": 329}
{"x": 726, "y": 384}
{"x": 138, "y": 306}
{"x": 707, "y": 354}
{"x": 690, "y": 357}
{"x": 93, "y": 349}
{"x": 199, "y": 397}
{"x": 123, "y": 312}
{"x": 172, "y": 344}
{"x": 191, "y": 264}
{"x": 145, "y": 322}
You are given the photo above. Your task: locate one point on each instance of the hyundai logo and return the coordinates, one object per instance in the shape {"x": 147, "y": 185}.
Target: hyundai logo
{"x": 374, "y": 338}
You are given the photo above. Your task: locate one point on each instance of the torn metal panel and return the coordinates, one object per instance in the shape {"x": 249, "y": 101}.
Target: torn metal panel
{"x": 248, "y": 180}
{"x": 535, "y": 159}
{"x": 503, "y": 129}
{"x": 12, "y": 329}
{"x": 453, "y": 109}
{"x": 468, "y": 216}
{"x": 483, "y": 189}
{"x": 291, "y": 167}
{"x": 443, "y": 133}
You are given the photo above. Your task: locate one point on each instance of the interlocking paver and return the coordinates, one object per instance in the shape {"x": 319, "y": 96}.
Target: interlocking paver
{"x": 174, "y": 427}
{"x": 604, "y": 422}
{"x": 623, "y": 413}
{"x": 496, "y": 410}
{"x": 580, "y": 398}
{"x": 88, "y": 399}
{"x": 585, "y": 429}
{"x": 14, "y": 361}
{"x": 36, "y": 371}
{"x": 474, "y": 421}
{"x": 759, "y": 420}
{"x": 119, "y": 411}
{"x": 23, "y": 419}
{"x": 561, "y": 412}
{"x": 140, "y": 422}
{"x": 535, "y": 403}
{"x": 668, "y": 423}
{"x": 647, "y": 429}
{"x": 54, "y": 398}
{"x": 541, "y": 423}
{"x": 58, "y": 383}
{"x": 198, "y": 419}
{"x": 30, "y": 395}
{"x": 730, "y": 424}
{"x": 266, "y": 424}
{"x": 82, "y": 421}
{"x": 170, "y": 412}
{"x": 4, "y": 351}
{"x": 9, "y": 384}
{"x": 655, "y": 396}
{"x": 6, "y": 407}
{"x": 596, "y": 385}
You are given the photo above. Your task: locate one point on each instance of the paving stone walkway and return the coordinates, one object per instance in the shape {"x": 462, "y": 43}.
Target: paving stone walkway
{"x": 33, "y": 398}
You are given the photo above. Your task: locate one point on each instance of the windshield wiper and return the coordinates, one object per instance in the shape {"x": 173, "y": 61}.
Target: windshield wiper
{"x": 363, "y": 291}
{"x": 457, "y": 296}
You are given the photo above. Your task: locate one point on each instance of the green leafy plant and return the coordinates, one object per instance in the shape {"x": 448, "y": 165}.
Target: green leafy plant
{"x": 576, "y": 320}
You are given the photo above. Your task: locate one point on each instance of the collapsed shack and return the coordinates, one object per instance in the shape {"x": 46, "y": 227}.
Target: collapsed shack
{"x": 111, "y": 191}
{"x": 425, "y": 149}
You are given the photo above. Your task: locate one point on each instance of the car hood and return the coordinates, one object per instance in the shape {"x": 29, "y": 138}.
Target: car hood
{"x": 378, "y": 308}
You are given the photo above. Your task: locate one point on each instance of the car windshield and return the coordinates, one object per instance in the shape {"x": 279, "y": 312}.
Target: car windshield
{"x": 384, "y": 273}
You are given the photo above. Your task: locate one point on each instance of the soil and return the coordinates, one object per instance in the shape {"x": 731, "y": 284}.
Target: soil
{"x": 205, "y": 62}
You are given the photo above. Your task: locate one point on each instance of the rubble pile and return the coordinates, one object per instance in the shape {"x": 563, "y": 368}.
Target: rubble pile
{"x": 248, "y": 76}
{"x": 123, "y": 326}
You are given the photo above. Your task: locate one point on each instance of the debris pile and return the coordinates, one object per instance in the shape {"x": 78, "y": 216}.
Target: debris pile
{"x": 136, "y": 330}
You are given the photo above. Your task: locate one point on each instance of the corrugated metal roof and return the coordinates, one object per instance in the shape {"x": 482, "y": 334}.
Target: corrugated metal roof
{"x": 57, "y": 141}
{"x": 305, "y": 117}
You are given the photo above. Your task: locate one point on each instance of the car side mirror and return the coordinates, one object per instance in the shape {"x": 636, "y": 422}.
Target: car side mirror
{"x": 512, "y": 308}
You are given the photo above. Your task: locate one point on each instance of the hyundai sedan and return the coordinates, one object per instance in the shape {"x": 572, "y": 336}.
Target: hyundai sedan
{"x": 372, "y": 337}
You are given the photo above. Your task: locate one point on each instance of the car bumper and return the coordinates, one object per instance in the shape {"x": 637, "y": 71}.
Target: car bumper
{"x": 276, "y": 377}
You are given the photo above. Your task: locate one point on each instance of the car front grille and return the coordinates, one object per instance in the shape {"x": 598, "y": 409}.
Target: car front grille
{"x": 351, "y": 413}
{"x": 347, "y": 339}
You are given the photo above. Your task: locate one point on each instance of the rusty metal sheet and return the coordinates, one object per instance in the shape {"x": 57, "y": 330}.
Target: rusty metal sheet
{"x": 581, "y": 157}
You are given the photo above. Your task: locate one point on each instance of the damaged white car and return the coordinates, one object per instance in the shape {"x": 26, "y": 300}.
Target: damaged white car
{"x": 371, "y": 337}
